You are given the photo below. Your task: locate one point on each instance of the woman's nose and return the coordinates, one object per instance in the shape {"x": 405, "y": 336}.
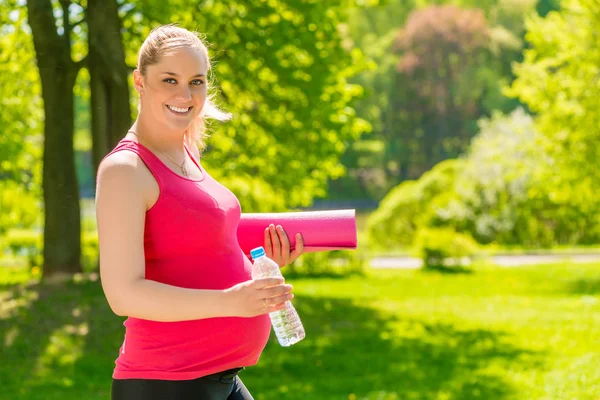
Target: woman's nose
{"x": 184, "y": 93}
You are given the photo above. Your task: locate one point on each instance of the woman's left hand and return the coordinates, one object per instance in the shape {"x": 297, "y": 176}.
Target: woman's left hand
{"x": 277, "y": 245}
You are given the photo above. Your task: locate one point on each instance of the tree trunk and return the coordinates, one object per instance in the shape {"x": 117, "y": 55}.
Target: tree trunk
{"x": 62, "y": 231}
{"x": 111, "y": 116}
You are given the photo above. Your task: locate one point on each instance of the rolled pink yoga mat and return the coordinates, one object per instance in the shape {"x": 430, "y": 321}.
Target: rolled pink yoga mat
{"x": 321, "y": 230}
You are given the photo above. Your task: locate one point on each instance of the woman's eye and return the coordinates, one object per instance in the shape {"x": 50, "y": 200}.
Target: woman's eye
{"x": 169, "y": 80}
{"x": 197, "y": 82}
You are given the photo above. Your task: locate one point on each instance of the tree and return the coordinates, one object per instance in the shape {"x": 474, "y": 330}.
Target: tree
{"x": 543, "y": 7}
{"x": 58, "y": 71}
{"x": 441, "y": 48}
{"x": 20, "y": 122}
{"x": 497, "y": 192}
{"x": 110, "y": 110}
{"x": 501, "y": 194}
{"x": 398, "y": 128}
{"x": 283, "y": 73}
{"x": 371, "y": 161}
{"x": 493, "y": 187}
{"x": 20, "y": 115}
{"x": 558, "y": 80}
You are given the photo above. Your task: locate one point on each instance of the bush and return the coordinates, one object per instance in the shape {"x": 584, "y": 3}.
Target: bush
{"x": 89, "y": 251}
{"x": 328, "y": 263}
{"x": 20, "y": 207}
{"x": 411, "y": 206}
{"x": 28, "y": 243}
{"x": 507, "y": 193}
{"x": 25, "y": 243}
{"x": 504, "y": 190}
{"x": 444, "y": 247}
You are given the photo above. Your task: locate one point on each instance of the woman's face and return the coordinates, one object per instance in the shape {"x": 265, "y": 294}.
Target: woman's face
{"x": 174, "y": 89}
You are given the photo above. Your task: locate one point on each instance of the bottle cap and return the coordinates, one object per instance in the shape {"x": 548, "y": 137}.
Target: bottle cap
{"x": 257, "y": 252}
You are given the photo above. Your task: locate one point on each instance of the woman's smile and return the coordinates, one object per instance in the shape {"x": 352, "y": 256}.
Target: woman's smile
{"x": 179, "y": 110}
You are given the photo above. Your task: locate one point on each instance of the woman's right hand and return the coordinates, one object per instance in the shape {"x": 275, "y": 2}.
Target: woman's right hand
{"x": 258, "y": 296}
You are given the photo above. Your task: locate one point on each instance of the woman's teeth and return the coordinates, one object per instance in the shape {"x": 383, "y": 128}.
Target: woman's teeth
{"x": 178, "y": 109}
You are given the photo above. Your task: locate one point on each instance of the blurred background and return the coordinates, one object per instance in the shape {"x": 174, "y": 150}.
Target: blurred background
{"x": 464, "y": 133}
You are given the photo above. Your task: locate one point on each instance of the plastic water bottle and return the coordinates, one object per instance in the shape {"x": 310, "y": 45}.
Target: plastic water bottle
{"x": 286, "y": 323}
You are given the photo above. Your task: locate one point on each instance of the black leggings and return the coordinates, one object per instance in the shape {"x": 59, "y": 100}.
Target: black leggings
{"x": 224, "y": 385}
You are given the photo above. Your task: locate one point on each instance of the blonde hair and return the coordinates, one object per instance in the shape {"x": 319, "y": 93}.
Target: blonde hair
{"x": 168, "y": 38}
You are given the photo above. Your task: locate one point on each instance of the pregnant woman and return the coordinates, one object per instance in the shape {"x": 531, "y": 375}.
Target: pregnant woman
{"x": 169, "y": 255}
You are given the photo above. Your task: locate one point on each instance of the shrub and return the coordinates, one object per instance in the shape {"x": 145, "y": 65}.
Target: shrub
{"x": 329, "y": 263}
{"x": 20, "y": 207}
{"x": 28, "y": 243}
{"x": 507, "y": 193}
{"x": 411, "y": 206}
{"x": 444, "y": 247}
{"x": 25, "y": 243}
{"x": 89, "y": 251}
{"x": 504, "y": 190}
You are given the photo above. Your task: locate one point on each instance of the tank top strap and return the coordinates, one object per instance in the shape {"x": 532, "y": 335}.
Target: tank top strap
{"x": 154, "y": 164}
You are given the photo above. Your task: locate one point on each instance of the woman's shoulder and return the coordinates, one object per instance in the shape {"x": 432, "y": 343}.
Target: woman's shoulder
{"x": 122, "y": 168}
{"x": 119, "y": 162}
{"x": 122, "y": 154}
{"x": 124, "y": 173}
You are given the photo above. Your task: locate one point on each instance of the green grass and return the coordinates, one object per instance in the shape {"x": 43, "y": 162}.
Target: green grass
{"x": 525, "y": 333}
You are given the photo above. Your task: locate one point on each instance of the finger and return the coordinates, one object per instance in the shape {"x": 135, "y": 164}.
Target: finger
{"x": 276, "y": 291}
{"x": 278, "y": 307}
{"x": 276, "y": 301}
{"x": 268, "y": 245}
{"x": 299, "y": 247}
{"x": 276, "y": 244}
{"x": 270, "y": 309}
{"x": 266, "y": 282}
{"x": 285, "y": 244}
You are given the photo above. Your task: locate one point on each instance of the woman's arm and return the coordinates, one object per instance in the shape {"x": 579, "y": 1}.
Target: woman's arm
{"x": 120, "y": 212}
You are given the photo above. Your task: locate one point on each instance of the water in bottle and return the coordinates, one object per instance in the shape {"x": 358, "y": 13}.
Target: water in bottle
{"x": 286, "y": 323}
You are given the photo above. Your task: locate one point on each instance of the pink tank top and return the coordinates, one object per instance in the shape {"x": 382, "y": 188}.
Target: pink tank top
{"x": 190, "y": 241}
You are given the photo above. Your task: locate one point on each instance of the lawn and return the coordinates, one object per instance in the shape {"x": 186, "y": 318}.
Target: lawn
{"x": 522, "y": 333}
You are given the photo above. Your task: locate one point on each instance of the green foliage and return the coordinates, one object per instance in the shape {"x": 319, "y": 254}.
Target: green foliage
{"x": 538, "y": 210}
{"x": 21, "y": 115}
{"x": 20, "y": 207}
{"x": 545, "y": 6}
{"x": 444, "y": 247}
{"x": 558, "y": 80}
{"x": 21, "y": 110}
{"x": 393, "y": 106}
{"x": 500, "y": 195}
{"x": 373, "y": 30}
{"x": 500, "y": 192}
{"x": 28, "y": 244}
{"x": 283, "y": 73}
{"x": 89, "y": 250}
{"x": 25, "y": 243}
{"x": 365, "y": 177}
{"x": 410, "y": 206}
{"x": 335, "y": 263}
{"x": 253, "y": 192}
{"x": 446, "y": 73}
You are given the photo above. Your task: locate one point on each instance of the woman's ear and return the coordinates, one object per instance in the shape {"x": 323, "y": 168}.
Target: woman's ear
{"x": 138, "y": 81}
